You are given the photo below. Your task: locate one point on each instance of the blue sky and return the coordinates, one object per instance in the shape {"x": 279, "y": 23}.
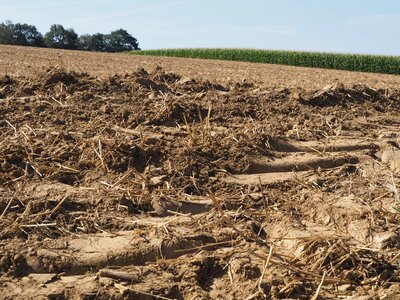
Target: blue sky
{"x": 353, "y": 26}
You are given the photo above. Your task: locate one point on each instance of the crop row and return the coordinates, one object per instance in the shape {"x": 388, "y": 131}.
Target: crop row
{"x": 349, "y": 62}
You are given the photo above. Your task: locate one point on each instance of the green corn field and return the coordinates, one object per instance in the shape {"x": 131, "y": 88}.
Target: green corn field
{"x": 349, "y": 62}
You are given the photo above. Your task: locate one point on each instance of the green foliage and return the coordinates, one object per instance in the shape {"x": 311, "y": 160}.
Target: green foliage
{"x": 20, "y": 34}
{"x": 61, "y": 38}
{"x": 85, "y": 42}
{"x": 6, "y": 33}
{"x": 98, "y": 42}
{"x": 95, "y": 42}
{"x": 350, "y": 62}
{"x": 117, "y": 41}
{"x": 27, "y": 35}
{"x": 120, "y": 40}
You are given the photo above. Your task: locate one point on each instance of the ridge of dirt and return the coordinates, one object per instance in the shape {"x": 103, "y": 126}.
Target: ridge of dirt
{"x": 150, "y": 184}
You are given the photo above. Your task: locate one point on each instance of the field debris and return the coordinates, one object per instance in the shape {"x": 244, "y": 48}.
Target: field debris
{"x": 150, "y": 185}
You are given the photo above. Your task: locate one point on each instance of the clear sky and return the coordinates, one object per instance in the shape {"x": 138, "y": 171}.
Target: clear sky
{"x": 354, "y": 26}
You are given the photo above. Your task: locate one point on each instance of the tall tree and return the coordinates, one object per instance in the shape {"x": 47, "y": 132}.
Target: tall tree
{"x": 6, "y": 33}
{"x": 85, "y": 42}
{"x": 98, "y": 42}
{"x": 61, "y": 38}
{"x": 95, "y": 42}
{"x": 27, "y": 35}
{"x": 120, "y": 40}
{"x": 20, "y": 34}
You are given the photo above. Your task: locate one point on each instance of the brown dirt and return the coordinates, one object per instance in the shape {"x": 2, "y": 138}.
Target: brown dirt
{"x": 174, "y": 183}
{"x": 22, "y": 61}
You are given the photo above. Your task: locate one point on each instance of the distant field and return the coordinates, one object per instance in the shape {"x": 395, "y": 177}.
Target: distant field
{"x": 348, "y": 62}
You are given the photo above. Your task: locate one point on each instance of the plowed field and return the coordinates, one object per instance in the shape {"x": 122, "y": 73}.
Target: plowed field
{"x": 159, "y": 178}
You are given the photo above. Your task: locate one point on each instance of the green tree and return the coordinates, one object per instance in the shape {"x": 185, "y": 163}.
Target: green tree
{"x": 27, "y": 35}
{"x": 20, "y": 34}
{"x": 85, "y": 42}
{"x": 120, "y": 40}
{"x": 95, "y": 42}
{"x": 98, "y": 42}
{"x": 6, "y": 33}
{"x": 61, "y": 38}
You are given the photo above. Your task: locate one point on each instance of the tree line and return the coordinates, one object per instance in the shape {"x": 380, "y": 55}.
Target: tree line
{"x": 66, "y": 38}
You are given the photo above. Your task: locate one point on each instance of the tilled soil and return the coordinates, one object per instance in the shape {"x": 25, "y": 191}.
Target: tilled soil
{"x": 24, "y": 61}
{"x": 153, "y": 185}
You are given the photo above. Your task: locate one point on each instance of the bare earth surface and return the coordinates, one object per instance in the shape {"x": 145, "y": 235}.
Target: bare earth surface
{"x": 161, "y": 178}
{"x": 21, "y": 61}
